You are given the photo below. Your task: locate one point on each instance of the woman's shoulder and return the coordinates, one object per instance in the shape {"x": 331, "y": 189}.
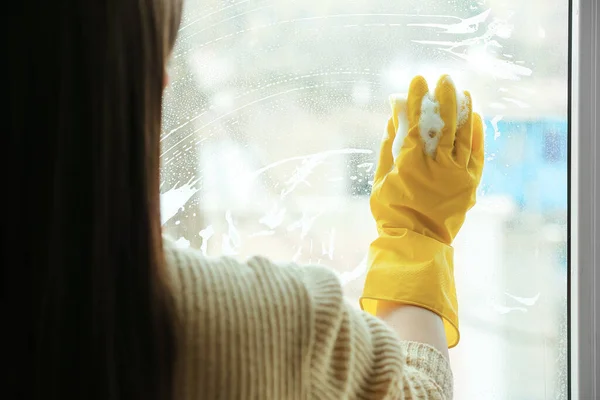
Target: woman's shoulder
{"x": 257, "y": 279}
{"x": 271, "y": 320}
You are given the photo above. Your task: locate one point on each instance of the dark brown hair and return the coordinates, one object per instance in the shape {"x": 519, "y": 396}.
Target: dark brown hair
{"x": 86, "y": 302}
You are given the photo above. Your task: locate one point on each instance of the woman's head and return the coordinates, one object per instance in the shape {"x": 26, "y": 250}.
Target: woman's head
{"x": 85, "y": 89}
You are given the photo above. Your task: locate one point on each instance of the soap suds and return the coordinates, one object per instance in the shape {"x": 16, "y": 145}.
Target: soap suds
{"x": 462, "y": 108}
{"x": 494, "y": 122}
{"x": 182, "y": 243}
{"x": 462, "y": 105}
{"x": 328, "y": 250}
{"x": 231, "y": 241}
{"x": 206, "y": 234}
{"x": 274, "y": 217}
{"x": 174, "y": 199}
{"x": 357, "y": 272}
{"x": 430, "y": 123}
{"x": 467, "y": 25}
{"x": 527, "y": 301}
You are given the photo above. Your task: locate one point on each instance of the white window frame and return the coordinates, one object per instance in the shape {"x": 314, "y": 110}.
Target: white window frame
{"x": 584, "y": 205}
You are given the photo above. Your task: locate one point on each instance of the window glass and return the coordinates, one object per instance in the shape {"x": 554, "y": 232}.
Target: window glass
{"x": 273, "y": 119}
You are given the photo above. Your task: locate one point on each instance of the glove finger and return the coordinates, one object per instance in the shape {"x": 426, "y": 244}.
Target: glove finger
{"x": 386, "y": 159}
{"x": 445, "y": 95}
{"x": 400, "y": 123}
{"x": 477, "y": 147}
{"x": 464, "y": 132}
{"x": 417, "y": 90}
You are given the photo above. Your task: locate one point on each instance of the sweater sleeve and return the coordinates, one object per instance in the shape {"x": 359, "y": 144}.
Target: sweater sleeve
{"x": 357, "y": 356}
{"x": 261, "y": 330}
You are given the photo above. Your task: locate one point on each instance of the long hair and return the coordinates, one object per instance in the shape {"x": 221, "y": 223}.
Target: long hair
{"x": 86, "y": 302}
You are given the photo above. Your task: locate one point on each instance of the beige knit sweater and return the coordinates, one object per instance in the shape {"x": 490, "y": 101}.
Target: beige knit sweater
{"x": 257, "y": 330}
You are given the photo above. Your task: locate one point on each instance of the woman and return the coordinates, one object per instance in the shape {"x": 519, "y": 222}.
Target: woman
{"x": 110, "y": 310}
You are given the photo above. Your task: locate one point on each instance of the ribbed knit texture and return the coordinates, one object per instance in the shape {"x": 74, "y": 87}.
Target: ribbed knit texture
{"x": 258, "y": 330}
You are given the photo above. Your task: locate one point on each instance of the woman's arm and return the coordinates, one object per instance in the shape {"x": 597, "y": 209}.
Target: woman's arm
{"x": 358, "y": 356}
{"x": 419, "y": 202}
{"x": 415, "y": 324}
{"x": 259, "y": 330}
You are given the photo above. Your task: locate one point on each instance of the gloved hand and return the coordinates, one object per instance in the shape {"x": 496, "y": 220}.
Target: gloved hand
{"x": 420, "y": 200}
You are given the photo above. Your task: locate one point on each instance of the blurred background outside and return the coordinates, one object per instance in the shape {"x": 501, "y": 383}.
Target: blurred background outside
{"x": 273, "y": 120}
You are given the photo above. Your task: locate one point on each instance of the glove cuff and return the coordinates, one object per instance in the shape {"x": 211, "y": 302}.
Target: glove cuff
{"x": 410, "y": 268}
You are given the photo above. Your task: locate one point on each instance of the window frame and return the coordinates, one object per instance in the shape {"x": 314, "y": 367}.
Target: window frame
{"x": 584, "y": 225}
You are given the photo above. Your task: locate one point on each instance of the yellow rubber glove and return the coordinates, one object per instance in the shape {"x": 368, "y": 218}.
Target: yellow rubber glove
{"x": 420, "y": 200}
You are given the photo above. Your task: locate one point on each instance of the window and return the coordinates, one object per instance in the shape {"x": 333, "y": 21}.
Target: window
{"x": 555, "y": 146}
{"x": 274, "y": 117}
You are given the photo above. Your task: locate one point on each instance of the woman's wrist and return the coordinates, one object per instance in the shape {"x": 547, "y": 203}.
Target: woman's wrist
{"x": 414, "y": 323}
